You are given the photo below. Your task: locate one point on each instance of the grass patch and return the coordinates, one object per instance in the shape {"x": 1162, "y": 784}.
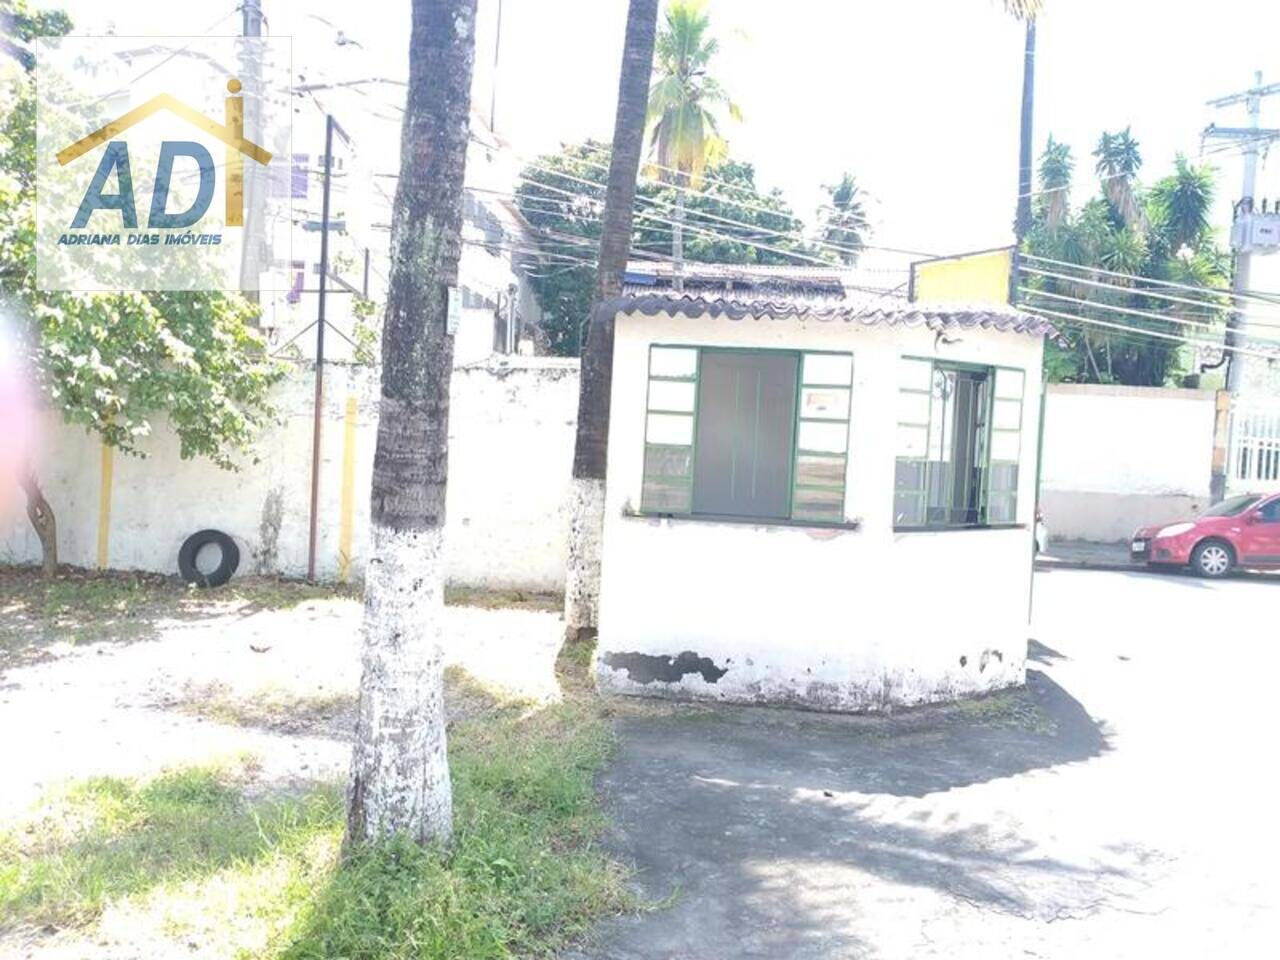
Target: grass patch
{"x": 503, "y": 599}
{"x": 269, "y": 707}
{"x": 184, "y": 858}
{"x": 110, "y": 839}
{"x": 523, "y": 876}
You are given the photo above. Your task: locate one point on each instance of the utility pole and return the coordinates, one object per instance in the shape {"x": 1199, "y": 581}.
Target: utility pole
{"x": 330, "y": 125}
{"x": 251, "y": 70}
{"x": 1253, "y": 139}
{"x": 493, "y": 90}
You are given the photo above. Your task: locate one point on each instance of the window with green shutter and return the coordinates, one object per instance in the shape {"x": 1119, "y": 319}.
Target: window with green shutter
{"x": 750, "y": 434}
{"x": 959, "y": 444}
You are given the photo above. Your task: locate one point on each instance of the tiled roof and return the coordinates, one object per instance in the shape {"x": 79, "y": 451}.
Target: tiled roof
{"x": 869, "y": 311}
{"x": 760, "y": 280}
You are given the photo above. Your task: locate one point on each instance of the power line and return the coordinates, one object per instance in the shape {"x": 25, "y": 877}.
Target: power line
{"x": 1099, "y": 305}
{"x": 797, "y": 255}
{"x": 729, "y": 201}
{"x": 1149, "y": 333}
{"x": 1153, "y": 294}
{"x": 1258, "y": 296}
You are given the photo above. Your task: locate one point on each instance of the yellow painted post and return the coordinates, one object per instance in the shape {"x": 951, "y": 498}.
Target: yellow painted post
{"x": 104, "y": 505}
{"x": 348, "y": 491}
{"x": 234, "y": 114}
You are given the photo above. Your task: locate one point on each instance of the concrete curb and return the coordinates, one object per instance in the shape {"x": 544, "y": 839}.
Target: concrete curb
{"x": 1060, "y": 563}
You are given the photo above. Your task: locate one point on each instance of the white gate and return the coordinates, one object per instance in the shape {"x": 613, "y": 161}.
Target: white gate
{"x": 1255, "y": 448}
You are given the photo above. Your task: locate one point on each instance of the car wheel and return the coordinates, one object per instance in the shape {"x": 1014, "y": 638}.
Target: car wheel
{"x": 1213, "y": 558}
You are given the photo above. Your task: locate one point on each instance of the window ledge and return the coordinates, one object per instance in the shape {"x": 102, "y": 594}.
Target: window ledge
{"x": 846, "y": 525}
{"x": 950, "y": 528}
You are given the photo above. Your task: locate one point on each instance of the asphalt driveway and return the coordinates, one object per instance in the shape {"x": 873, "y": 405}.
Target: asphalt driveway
{"x": 1120, "y": 806}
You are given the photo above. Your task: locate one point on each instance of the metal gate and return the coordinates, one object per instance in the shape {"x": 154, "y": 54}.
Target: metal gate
{"x": 1255, "y": 448}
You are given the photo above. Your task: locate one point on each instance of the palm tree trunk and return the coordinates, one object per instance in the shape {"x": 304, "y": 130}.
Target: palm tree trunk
{"x": 677, "y": 237}
{"x": 399, "y": 769}
{"x": 42, "y": 519}
{"x": 1022, "y": 219}
{"x": 582, "y": 582}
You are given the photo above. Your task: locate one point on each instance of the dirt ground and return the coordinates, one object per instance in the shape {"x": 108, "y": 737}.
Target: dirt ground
{"x": 129, "y": 674}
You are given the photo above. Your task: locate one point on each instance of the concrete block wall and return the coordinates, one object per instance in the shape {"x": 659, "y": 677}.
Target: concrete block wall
{"x": 511, "y": 446}
{"x": 1116, "y": 458}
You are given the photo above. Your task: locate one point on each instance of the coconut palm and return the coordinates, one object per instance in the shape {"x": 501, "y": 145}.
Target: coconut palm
{"x": 1118, "y": 163}
{"x": 685, "y": 105}
{"x": 1179, "y": 205}
{"x": 1056, "y": 167}
{"x": 399, "y": 768}
{"x": 845, "y": 224}
{"x": 1026, "y": 11}
{"x": 582, "y": 586}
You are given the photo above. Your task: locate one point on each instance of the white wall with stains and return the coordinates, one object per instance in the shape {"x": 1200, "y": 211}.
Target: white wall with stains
{"x": 821, "y": 617}
{"x": 511, "y": 446}
{"x": 1117, "y": 458}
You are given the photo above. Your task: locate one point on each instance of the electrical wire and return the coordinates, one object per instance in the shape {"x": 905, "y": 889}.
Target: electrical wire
{"x": 1144, "y": 314}
{"x": 1268, "y": 298}
{"x": 1151, "y": 294}
{"x": 1150, "y": 333}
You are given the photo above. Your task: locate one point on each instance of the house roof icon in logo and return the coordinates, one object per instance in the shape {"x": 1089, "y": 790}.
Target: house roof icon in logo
{"x": 231, "y": 133}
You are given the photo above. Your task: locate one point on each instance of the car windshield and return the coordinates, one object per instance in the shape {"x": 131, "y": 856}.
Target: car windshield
{"x": 1231, "y": 507}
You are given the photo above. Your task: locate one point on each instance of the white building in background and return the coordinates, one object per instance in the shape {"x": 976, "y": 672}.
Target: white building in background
{"x": 499, "y": 249}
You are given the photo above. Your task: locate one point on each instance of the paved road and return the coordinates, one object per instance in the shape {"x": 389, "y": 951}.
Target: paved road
{"x": 1123, "y": 806}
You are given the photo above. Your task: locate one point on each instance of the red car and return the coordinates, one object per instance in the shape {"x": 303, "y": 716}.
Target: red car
{"x": 1241, "y": 531}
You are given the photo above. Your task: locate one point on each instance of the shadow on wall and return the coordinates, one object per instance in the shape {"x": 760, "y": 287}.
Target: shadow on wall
{"x": 778, "y": 832}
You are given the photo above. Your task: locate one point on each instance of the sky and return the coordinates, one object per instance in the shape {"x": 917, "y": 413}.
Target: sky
{"x": 917, "y": 98}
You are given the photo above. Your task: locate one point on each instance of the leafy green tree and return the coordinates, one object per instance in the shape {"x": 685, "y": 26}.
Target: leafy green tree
{"x": 685, "y": 105}
{"x": 563, "y": 284}
{"x": 1169, "y": 238}
{"x": 114, "y": 362}
{"x": 844, "y": 220}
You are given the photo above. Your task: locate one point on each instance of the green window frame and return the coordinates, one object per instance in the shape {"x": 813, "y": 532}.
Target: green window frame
{"x": 819, "y": 455}
{"x": 930, "y": 420}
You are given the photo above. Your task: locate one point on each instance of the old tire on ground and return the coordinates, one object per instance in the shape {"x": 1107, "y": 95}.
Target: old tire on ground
{"x": 191, "y": 547}
{"x": 1213, "y": 558}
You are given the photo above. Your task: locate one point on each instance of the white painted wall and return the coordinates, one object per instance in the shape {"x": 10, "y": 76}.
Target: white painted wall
{"x": 1116, "y": 458}
{"x": 511, "y": 447}
{"x": 827, "y": 618}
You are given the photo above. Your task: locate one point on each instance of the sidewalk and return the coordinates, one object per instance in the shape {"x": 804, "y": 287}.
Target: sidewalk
{"x": 1087, "y": 555}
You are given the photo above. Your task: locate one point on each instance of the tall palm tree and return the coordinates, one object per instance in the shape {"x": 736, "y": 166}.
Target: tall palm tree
{"x": 582, "y": 580}
{"x": 399, "y": 769}
{"x": 1118, "y": 163}
{"x": 684, "y": 107}
{"x": 1181, "y": 204}
{"x": 1056, "y": 168}
{"x": 845, "y": 223}
{"x": 1026, "y": 11}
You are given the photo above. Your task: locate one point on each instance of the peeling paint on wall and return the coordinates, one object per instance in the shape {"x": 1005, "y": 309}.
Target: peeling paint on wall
{"x": 648, "y": 668}
{"x": 269, "y": 530}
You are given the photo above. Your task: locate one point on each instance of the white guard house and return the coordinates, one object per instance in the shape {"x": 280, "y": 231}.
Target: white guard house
{"x": 818, "y": 502}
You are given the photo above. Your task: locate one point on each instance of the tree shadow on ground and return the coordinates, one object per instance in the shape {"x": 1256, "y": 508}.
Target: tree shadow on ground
{"x": 109, "y": 838}
{"x": 785, "y": 834}
{"x": 40, "y": 617}
{"x": 1043, "y": 653}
